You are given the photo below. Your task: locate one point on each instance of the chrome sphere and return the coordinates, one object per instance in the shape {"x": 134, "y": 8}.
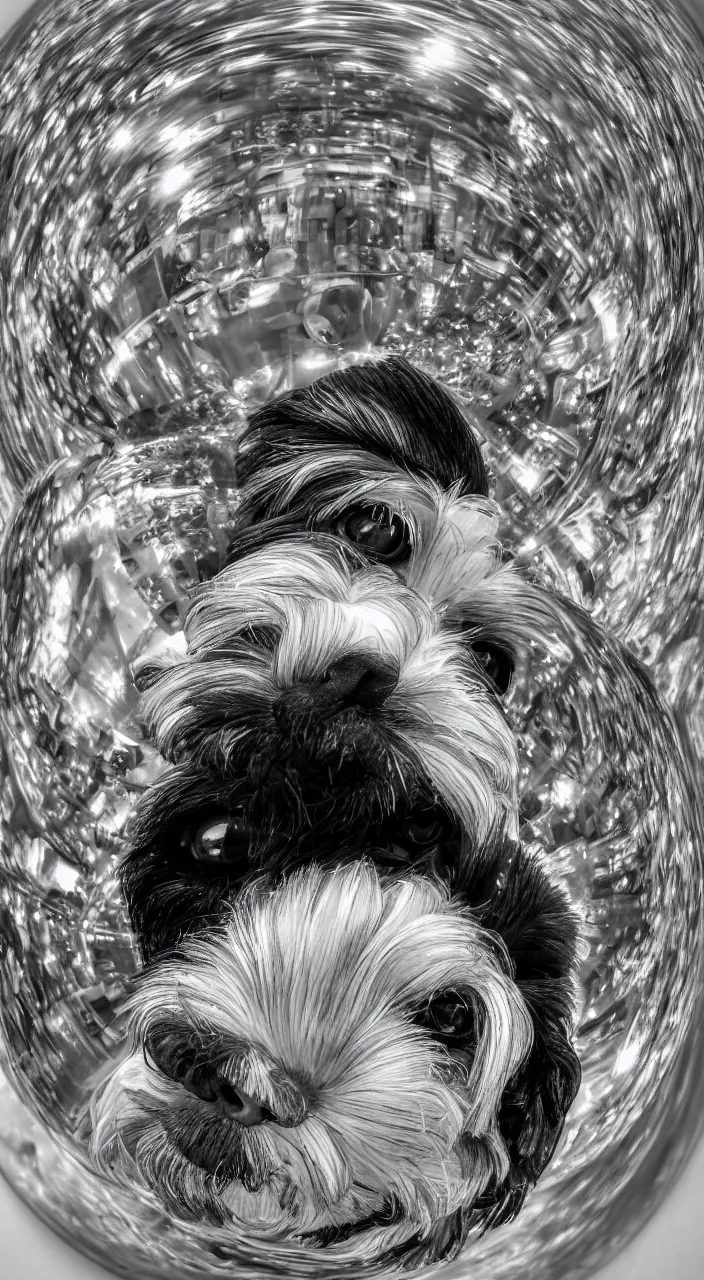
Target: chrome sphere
{"x": 203, "y": 204}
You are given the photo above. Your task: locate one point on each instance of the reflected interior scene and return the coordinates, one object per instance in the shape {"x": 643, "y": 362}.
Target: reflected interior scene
{"x": 350, "y": 631}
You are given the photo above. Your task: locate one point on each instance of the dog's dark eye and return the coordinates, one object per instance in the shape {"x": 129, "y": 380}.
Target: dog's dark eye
{"x": 427, "y": 826}
{"x": 164, "y": 1050}
{"x": 495, "y": 662}
{"x": 261, "y": 637}
{"x": 449, "y": 1014}
{"x": 377, "y": 530}
{"x": 221, "y": 840}
{"x": 145, "y": 677}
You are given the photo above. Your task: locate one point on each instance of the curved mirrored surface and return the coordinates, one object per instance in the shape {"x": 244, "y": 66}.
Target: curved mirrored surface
{"x": 202, "y": 208}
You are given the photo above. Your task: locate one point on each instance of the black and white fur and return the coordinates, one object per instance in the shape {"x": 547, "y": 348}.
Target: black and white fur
{"x": 367, "y": 615}
{"x": 354, "y": 1028}
{"x": 398, "y": 1011}
{"x": 332, "y": 683}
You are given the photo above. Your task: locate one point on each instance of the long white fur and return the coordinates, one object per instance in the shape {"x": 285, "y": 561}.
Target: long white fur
{"x": 441, "y": 717}
{"x": 319, "y": 978}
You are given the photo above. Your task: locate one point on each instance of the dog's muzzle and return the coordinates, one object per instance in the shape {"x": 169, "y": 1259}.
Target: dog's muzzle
{"x": 361, "y": 681}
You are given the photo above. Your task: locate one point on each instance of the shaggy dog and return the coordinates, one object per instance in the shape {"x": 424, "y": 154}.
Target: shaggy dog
{"x": 354, "y": 1024}
{"x": 360, "y": 1042}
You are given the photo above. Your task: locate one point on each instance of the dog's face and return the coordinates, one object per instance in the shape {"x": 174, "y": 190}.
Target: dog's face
{"x": 332, "y": 1055}
{"x": 367, "y": 1049}
{"x": 379, "y": 460}
{"x": 380, "y": 456}
{"x": 336, "y": 686}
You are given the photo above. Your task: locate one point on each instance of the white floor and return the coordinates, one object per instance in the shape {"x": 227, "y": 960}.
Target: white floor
{"x": 670, "y": 1248}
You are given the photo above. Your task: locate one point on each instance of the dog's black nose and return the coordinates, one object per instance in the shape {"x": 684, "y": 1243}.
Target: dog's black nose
{"x": 211, "y": 1085}
{"x": 356, "y": 680}
{"x": 240, "y": 1106}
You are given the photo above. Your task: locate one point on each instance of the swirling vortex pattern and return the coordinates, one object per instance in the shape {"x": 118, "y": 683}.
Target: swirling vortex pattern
{"x": 203, "y": 203}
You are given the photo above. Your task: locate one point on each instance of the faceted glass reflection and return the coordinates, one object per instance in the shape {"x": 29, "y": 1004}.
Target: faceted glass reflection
{"x": 203, "y": 205}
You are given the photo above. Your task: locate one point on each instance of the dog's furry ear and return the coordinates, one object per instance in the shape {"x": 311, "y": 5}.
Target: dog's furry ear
{"x": 514, "y": 897}
{"x": 510, "y": 894}
{"x": 441, "y": 1244}
{"x": 531, "y": 1120}
{"x": 249, "y": 538}
{"x": 533, "y": 1111}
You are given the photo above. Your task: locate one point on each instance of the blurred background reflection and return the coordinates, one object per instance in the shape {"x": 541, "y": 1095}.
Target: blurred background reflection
{"x": 202, "y": 205}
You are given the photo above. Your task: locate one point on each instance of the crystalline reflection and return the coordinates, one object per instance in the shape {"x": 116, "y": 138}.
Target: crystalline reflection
{"x": 202, "y": 206}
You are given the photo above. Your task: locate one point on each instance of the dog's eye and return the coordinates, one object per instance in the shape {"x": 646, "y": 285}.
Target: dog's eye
{"x": 146, "y": 676}
{"x": 449, "y": 1014}
{"x": 263, "y": 638}
{"x": 221, "y": 840}
{"x": 164, "y": 1050}
{"x": 496, "y": 664}
{"x": 427, "y": 826}
{"x": 377, "y": 530}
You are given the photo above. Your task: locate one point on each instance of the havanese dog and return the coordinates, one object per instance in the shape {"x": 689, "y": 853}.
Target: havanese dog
{"x": 354, "y": 1026}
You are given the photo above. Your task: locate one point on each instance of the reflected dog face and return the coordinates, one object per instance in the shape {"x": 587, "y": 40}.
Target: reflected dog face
{"x": 335, "y": 687}
{"x": 355, "y": 652}
{"x": 292, "y": 1082}
{"x": 379, "y": 461}
{"x": 354, "y": 1026}
{"x": 365, "y": 1047}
